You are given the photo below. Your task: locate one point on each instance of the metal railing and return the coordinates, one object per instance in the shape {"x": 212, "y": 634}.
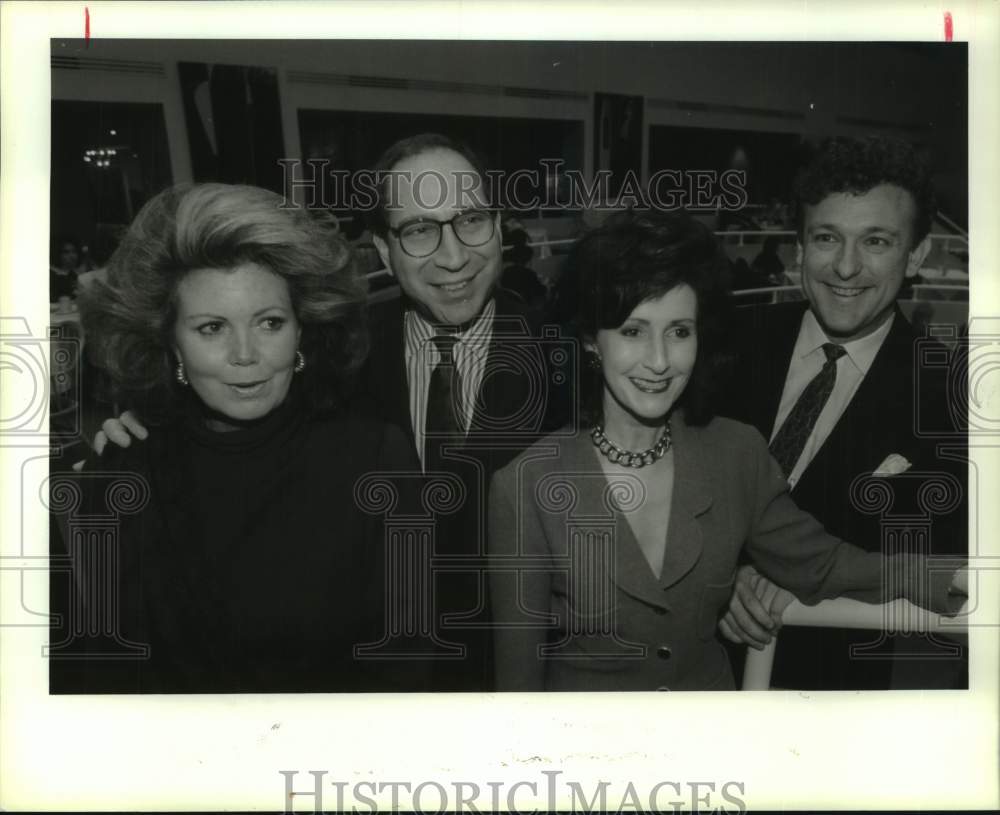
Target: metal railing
{"x": 776, "y": 294}
{"x": 899, "y": 616}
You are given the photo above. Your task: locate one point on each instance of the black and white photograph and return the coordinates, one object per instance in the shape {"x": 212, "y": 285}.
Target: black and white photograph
{"x": 418, "y": 409}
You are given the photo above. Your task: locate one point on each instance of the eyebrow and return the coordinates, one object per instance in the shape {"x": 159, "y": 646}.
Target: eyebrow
{"x": 681, "y": 321}
{"x": 416, "y": 219}
{"x": 866, "y": 231}
{"x": 209, "y": 315}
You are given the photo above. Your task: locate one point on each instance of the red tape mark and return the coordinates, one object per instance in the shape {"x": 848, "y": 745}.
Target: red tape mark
{"x": 86, "y": 24}
{"x": 948, "y": 30}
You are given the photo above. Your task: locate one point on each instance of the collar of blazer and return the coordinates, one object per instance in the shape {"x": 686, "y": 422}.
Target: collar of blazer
{"x": 601, "y": 502}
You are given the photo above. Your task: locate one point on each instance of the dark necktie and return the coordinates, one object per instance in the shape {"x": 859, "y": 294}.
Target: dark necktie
{"x": 791, "y": 438}
{"x": 444, "y": 422}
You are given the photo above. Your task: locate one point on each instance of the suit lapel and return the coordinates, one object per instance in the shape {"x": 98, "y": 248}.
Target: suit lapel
{"x": 692, "y": 496}
{"x": 875, "y": 409}
{"x": 595, "y": 508}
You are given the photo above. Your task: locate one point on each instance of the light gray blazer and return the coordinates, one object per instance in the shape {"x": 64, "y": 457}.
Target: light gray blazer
{"x": 575, "y": 604}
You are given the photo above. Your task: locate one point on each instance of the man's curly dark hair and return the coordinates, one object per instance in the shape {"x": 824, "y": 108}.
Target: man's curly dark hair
{"x": 857, "y": 165}
{"x": 129, "y": 319}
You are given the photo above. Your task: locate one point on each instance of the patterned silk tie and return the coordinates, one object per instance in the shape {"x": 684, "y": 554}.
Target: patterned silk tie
{"x": 791, "y": 438}
{"x": 444, "y": 420}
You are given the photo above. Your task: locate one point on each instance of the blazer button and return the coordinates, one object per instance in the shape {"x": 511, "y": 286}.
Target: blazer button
{"x": 663, "y": 652}
{"x": 663, "y": 687}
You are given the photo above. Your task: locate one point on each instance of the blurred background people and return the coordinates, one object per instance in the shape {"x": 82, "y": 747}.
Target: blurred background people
{"x": 518, "y": 277}
{"x": 767, "y": 266}
{"x": 68, "y": 262}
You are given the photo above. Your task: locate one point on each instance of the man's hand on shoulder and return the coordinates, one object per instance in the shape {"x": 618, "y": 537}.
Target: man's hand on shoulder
{"x": 119, "y": 432}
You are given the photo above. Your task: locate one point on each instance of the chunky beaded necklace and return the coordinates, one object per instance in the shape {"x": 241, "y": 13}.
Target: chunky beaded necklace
{"x": 613, "y": 453}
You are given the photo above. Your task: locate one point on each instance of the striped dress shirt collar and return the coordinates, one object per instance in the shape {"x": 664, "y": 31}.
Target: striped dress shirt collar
{"x": 471, "y": 351}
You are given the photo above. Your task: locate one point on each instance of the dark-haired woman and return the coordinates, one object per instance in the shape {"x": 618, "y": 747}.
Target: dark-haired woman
{"x": 614, "y": 549}
{"x": 245, "y": 562}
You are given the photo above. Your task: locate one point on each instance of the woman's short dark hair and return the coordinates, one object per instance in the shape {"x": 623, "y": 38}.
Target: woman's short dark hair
{"x": 858, "y": 165}
{"x": 637, "y": 256}
{"x": 129, "y": 319}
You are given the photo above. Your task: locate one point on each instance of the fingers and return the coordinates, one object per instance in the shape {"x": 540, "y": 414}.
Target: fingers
{"x": 727, "y": 629}
{"x": 100, "y": 442}
{"x": 782, "y": 599}
{"x": 116, "y": 432}
{"x": 746, "y": 620}
{"x": 133, "y": 425}
{"x": 748, "y": 574}
{"x": 773, "y": 599}
{"x": 732, "y": 631}
{"x": 769, "y": 594}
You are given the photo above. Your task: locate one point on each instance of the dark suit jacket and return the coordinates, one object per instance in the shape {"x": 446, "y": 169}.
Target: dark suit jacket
{"x": 525, "y": 391}
{"x": 568, "y": 572}
{"x": 524, "y": 394}
{"x": 901, "y": 406}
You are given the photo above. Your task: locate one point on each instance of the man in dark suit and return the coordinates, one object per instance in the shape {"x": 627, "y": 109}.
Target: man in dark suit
{"x": 457, "y": 365}
{"x": 839, "y": 388}
{"x": 460, "y": 369}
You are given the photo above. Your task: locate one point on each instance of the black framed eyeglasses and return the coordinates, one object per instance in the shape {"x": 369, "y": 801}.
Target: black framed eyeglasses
{"x": 421, "y": 237}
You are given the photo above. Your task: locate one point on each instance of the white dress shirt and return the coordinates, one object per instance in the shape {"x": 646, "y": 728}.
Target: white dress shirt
{"x": 422, "y": 357}
{"x": 807, "y": 360}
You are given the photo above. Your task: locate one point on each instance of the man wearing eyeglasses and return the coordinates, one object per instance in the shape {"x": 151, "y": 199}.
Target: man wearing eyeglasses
{"x": 436, "y": 234}
{"x": 454, "y": 362}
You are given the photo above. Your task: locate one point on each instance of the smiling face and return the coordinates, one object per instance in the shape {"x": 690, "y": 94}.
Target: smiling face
{"x": 452, "y": 284}
{"x": 856, "y": 250}
{"x": 236, "y": 334}
{"x": 647, "y": 361}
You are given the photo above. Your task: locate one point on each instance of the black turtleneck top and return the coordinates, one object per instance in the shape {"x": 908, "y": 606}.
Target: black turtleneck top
{"x": 251, "y": 567}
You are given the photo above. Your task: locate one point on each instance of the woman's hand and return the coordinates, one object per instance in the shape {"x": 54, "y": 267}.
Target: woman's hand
{"x": 755, "y": 609}
{"x": 119, "y": 431}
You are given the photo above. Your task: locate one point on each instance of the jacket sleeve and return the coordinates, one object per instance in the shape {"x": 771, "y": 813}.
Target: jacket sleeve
{"x": 513, "y": 589}
{"x": 792, "y": 548}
